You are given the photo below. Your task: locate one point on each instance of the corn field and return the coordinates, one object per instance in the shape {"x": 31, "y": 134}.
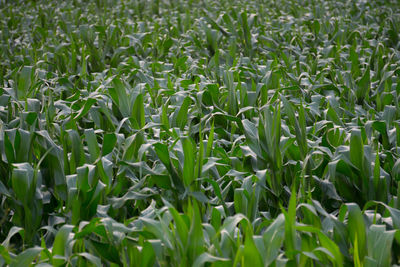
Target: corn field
{"x": 200, "y": 133}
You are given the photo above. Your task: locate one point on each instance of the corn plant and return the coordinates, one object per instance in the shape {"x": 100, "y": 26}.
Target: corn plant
{"x": 199, "y": 133}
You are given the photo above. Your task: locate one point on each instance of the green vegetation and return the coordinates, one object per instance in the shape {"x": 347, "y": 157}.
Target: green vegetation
{"x": 199, "y": 133}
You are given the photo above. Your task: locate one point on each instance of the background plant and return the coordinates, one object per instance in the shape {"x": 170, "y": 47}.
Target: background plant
{"x": 212, "y": 133}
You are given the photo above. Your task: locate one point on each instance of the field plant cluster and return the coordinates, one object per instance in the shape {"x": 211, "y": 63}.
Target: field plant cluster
{"x": 200, "y": 133}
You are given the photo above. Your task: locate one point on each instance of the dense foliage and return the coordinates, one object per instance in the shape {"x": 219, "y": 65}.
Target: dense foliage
{"x": 192, "y": 133}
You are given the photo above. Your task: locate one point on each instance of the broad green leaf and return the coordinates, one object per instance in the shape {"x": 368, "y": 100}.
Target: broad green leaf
{"x": 357, "y": 149}
{"x": 60, "y": 244}
{"x": 26, "y": 257}
{"x": 273, "y": 238}
{"x": 357, "y": 229}
{"x": 205, "y": 257}
{"x": 24, "y": 81}
{"x": 182, "y": 116}
{"x": 106, "y": 251}
{"x": 22, "y": 181}
{"x": 92, "y": 144}
{"x": 13, "y": 231}
{"x": 189, "y": 162}
{"x": 379, "y": 243}
{"x": 109, "y": 142}
{"x": 138, "y": 112}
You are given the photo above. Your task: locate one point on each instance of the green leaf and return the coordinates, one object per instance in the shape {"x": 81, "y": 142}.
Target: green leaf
{"x": 181, "y": 226}
{"x": 357, "y": 149}
{"x": 26, "y": 257}
{"x": 357, "y": 228}
{"x": 5, "y": 256}
{"x": 363, "y": 85}
{"x": 138, "y": 111}
{"x": 60, "y": 244}
{"x": 189, "y": 151}
{"x": 106, "y": 251}
{"x": 332, "y": 248}
{"x": 77, "y": 155}
{"x": 195, "y": 238}
{"x": 182, "y": 116}
{"x": 251, "y": 254}
{"x": 85, "y": 109}
{"x": 120, "y": 97}
{"x": 109, "y": 142}
{"x": 290, "y": 231}
{"x": 92, "y": 144}
{"x": 148, "y": 255}
{"x": 380, "y": 244}
{"x": 205, "y": 257}
{"x": 273, "y": 238}
{"x": 24, "y": 81}
{"x": 13, "y": 231}
{"x": 22, "y": 179}
{"x": 210, "y": 141}
{"x": 93, "y": 259}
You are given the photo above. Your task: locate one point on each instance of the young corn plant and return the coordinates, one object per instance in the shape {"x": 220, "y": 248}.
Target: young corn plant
{"x": 199, "y": 133}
